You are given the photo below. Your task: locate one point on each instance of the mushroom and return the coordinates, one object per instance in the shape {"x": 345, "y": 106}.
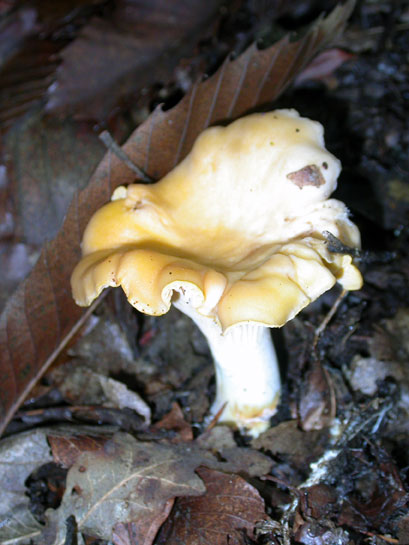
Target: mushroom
{"x": 233, "y": 237}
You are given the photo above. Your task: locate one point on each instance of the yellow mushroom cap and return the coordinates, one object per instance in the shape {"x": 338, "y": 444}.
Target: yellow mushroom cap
{"x": 238, "y": 224}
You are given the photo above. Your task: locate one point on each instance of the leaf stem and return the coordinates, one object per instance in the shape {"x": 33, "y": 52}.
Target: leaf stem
{"x": 111, "y": 145}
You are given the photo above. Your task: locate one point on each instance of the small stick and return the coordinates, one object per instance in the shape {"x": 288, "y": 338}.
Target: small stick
{"x": 111, "y": 145}
{"x": 385, "y": 538}
{"x": 321, "y": 328}
{"x": 216, "y": 418}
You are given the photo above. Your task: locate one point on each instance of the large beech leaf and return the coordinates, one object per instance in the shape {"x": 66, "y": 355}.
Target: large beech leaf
{"x": 41, "y": 315}
{"x": 229, "y": 508}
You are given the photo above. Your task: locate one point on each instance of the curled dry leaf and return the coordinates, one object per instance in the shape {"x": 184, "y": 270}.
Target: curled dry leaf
{"x": 81, "y": 386}
{"x": 324, "y": 65}
{"x": 226, "y": 513}
{"x": 41, "y": 315}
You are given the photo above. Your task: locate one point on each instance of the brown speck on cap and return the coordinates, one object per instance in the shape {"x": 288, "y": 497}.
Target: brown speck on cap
{"x": 309, "y": 175}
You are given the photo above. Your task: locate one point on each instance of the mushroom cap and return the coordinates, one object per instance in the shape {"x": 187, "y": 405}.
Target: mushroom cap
{"x": 237, "y": 227}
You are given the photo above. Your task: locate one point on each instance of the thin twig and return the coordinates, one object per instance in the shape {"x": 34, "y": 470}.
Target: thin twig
{"x": 111, "y": 145}
{"x": 321, "y": 328}
{"x": 379, "y": 536}
{"x": 215, "y": 419}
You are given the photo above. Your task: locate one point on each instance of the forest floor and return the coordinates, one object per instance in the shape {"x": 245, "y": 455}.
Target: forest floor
{"x": 129, "y": 393}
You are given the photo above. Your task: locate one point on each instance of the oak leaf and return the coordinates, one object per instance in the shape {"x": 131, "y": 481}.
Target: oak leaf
{"x": 123, "y": 482}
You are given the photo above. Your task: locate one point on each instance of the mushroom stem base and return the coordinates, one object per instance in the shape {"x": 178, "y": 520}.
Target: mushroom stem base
{"x": 247, "y": 374}
{"x": 247, "y": 377}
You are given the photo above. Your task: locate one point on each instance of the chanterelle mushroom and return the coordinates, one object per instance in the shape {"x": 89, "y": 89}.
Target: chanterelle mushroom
{"x": 233, "y": 237}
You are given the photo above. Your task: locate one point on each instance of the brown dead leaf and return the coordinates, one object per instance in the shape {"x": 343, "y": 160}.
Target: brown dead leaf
{"x": 403, "y": 529}
{"x": 318, "y": 501}
{"x": 16, "y": 261}
{"x": 292, "y": 444}
{"x": 141, "y": 43}
{"x": 175, "y": 421}
{"x": 41, "y": 315}
{"x": 131, "y": 534}
{"x": 243, "y": 460}
{"x": 66, "y": 449}
{"x": 32, "y": 34}
{"x": 217, "y": 439}
{"x": 138, "y": 478}
{"x": 317, "y": 404}
{"x": 47, "y": 161}
{"x": 20, "y": 455}
{"x": 79, "y": 385}
{"x": 227, "y": 511}
{"x": 125, "y": 482}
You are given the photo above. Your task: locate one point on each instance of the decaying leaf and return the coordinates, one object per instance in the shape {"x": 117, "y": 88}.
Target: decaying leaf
{"x": 136, "y": 534}
{"x": 125, "y": 482}
{"x": 317, "y": 404}
{"x": 80, "y": 385}
{"x": 290, "y": 443}
{"x": 226, "y": 513}
{"x": 243, "y": 460}
{"x": 19, "y": 527}
{"x": 20, "y": 455}
{"x": 68, "y": 447}
{"x": 31, "y": 36}
{"x": 122, "y": 489}
{"x": 47, "y": 161}
{"x": 142, "y": 42}
{"x": 217, "y": 439}
{"x": 41, "y": 315}
{"x": 175, "y": 422}
{"x": 381, "y": 493}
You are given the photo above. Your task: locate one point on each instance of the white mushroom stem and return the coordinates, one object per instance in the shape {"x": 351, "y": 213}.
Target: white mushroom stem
{"x": 247, "y": 374}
